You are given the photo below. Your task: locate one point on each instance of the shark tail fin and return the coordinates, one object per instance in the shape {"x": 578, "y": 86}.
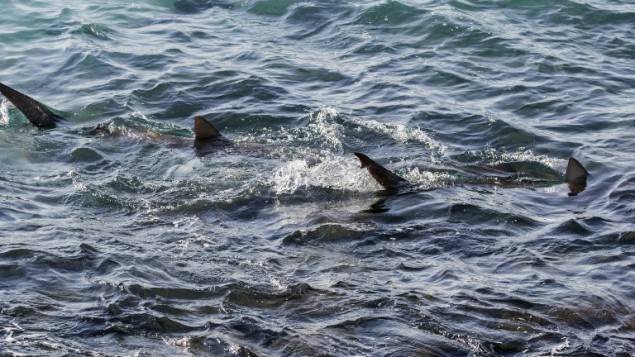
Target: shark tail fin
{"x": 204, "y": 130}
{"x": 576, "y": 173}
{"x": 36, "y": 112}
{"x": 388, "y": 179}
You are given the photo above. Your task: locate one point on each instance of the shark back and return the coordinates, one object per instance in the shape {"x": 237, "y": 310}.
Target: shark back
{"x": 36, "y": 112}
{"x": 388, "y": 179}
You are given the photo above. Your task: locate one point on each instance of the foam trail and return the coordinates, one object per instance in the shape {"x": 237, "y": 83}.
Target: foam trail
{"x": 426, "y": 180}
{"x": 401, "y": 133}
{"x": 495, "y": 157}
{"x": 328, "y": 124}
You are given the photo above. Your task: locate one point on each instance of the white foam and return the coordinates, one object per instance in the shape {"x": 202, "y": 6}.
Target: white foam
{"x": 183, "y": 342}
{"x": 341, "y": 173}
{"x": 333, "y": 172}
{"x": 235, "y": 349}
{"x": 184, "y": 170}
{"x": 426, "y": 179}
{"x": 278, "y": 284}
{"x": 4, "y": 112}
{"x": 401, "y": 133}
{"x": 496, "y": 157}
{"x": 323, "y": 128}
{"x": 327, "y": 127}
{"x": 76, "y": 180}
{"x": 325, "y": 124}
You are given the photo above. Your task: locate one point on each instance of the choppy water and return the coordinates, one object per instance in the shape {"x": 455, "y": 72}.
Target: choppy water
{"x": 128, "y": 246}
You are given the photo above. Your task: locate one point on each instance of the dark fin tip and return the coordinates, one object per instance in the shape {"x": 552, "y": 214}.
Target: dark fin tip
{"x": 388, "y": 179}
{"x": 204, "y": 130}
{"x": 575, "y": 171}
{"x": 576, "y": 177}
{"x": 37, "y": 113}
{"x": 363, "y": 159}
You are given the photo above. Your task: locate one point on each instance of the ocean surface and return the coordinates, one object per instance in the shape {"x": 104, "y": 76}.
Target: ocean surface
{"x": 122, "y": 244}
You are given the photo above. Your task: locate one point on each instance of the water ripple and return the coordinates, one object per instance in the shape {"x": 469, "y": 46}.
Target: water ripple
{"x": 117, "y": 239}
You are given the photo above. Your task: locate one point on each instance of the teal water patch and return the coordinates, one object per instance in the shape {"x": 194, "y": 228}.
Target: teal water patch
{"x": 391, "y": 13}
{"x": 272, "y": 7}
{"x": 194, "y": 6}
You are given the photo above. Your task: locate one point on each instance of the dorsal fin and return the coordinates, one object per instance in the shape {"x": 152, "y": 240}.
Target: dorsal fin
{"x": 576, "y": 176}
{"x": 575, "y": 171}
{"x": 388, "y": 179}
{"x": 204, "y": 130}
{"x": 36, "y": 112}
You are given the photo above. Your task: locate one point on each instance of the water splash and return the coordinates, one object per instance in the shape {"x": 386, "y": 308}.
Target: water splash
{"x": 332, "y": 172}
{"x": 323, "y": 130}
{"x": 426, "y": 180}
{"x": 183, "y": 170}
{"x": 495, "y": 157}
{"x": 324, "y": 125}
{"x": 329, "y": 123}
{"x": 4, "y": 111}
{"x": 401, "y": 133}
{"x": 184, "y": 342}
{"x": 78, "y": 185}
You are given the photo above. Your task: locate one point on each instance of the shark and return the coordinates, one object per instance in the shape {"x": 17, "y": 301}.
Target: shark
{"x": 576, "y": 176}
{"x": 207, "y": 139}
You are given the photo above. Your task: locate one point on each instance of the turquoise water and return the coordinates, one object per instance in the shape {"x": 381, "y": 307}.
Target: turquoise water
{"x": 122, "y": 244}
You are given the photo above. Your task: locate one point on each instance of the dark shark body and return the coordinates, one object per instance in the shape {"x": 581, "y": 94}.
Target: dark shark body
{"x": 207, "y": 138}
{"x": 575, "y": 176}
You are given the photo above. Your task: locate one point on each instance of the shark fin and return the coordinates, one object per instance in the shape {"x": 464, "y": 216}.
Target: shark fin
{"x": 36, "y": 112}
{"x": 204, "y": 130}
{"x": 575, "y": 171}
{"x": 576, "y": 176}
{"x": 388, "y": 179}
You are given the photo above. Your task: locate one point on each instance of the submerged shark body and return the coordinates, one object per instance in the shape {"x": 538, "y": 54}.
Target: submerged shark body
{"x": 576, "y": 176}
{"x": 207, "y": 138}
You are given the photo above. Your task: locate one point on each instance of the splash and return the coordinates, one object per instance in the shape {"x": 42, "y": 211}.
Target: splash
{"x": 183, "y": 342}
{"x": 327, "y": 129}
{"x": 401, "y": 133}
{"x": 322, "y": 131}
{"x": 183, "y": 170}
{"x": 496, "y": 157}
{"x": 343, "y": 174}
{"x": 325, "y": 126}
{"x": 4, "y": 112}
{"x": 332, "y": 172}
{"x": 76, "y": 180}
{"x": 426, "y": 180}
